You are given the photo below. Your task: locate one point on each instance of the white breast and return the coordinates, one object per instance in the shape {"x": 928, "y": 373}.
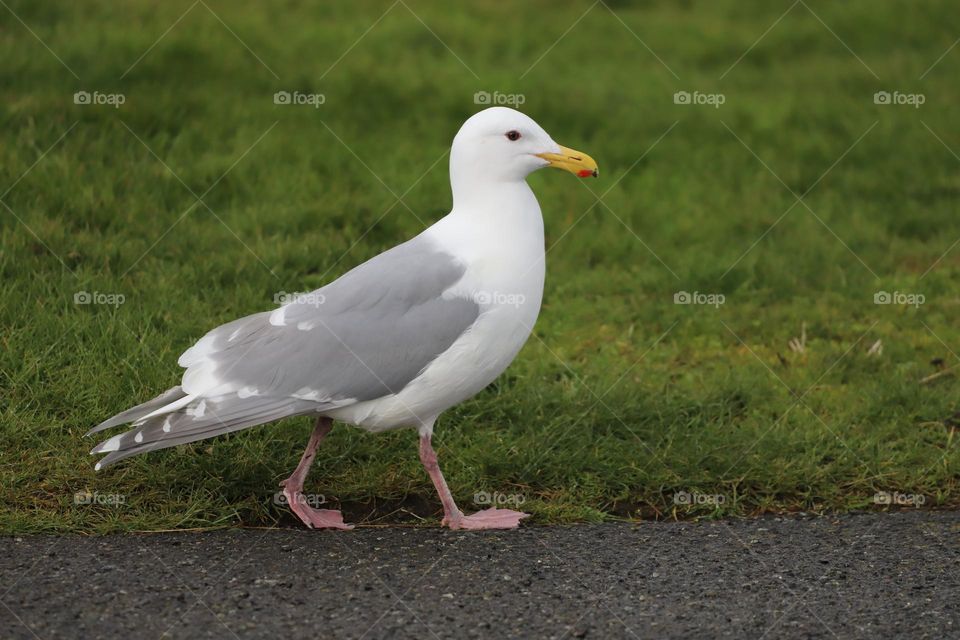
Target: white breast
{"x": 502, "y": 249}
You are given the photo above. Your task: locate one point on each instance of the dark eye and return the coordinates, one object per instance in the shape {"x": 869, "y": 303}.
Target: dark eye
{"x": 513, "y": 136}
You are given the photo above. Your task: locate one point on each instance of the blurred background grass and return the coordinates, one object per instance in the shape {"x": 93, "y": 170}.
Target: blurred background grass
{"x": 622, "y": 400}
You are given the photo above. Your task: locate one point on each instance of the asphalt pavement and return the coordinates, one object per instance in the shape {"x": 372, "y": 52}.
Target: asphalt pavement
{"x": 878, "y": 575}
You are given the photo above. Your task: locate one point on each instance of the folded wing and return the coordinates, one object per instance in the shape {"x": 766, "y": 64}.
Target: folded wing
{"x": 362, "y": 337}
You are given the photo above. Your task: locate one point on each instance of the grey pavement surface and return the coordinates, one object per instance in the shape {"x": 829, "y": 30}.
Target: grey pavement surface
{"x": 879, "y": 575}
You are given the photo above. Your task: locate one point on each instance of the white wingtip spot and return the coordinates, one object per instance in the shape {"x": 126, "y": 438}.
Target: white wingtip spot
{"x": 96, "y": 467}
{"x": 197, "y": 410}
{"x": 277, "y": 317}
{"x": 110, "y": 445}
{"x": 306, "y": 393}
{"x": 138, "y": 437}
{"x": 166, "y": 425}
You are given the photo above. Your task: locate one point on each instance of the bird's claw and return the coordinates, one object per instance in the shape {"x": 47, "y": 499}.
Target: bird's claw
{"x": 492, "y": 518}
{"x": 315, "y": 518}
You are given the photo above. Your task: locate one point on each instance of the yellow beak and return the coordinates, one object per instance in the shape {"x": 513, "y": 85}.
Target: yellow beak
{"x": 576, "y": 162}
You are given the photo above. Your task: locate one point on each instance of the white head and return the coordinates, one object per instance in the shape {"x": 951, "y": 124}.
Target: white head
{"x": 503, "y": 145}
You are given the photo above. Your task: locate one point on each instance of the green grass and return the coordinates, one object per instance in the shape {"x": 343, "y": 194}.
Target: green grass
{"x": 622, "y": 398}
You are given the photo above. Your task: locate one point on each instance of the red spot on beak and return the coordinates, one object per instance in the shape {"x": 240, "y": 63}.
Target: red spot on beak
{"x": 586, "y": 173}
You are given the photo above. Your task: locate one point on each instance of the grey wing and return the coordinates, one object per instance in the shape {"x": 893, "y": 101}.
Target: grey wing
{"x": 364, "y": 336}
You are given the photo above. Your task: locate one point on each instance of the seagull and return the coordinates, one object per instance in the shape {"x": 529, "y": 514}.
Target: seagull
{"x": 392, "y": 343}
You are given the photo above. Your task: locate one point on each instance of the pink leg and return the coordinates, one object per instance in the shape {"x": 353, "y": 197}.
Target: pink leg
{"x": 293, "y": 486}
{"x": 492, "y": 518}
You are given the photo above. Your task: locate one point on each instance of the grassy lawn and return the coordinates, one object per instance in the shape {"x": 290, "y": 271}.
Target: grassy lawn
{"x": 198, "y": 200}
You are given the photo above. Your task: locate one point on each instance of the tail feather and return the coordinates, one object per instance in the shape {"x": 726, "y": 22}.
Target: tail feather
{"x": 170, "y": 395}
{"x": 198, "y": 420}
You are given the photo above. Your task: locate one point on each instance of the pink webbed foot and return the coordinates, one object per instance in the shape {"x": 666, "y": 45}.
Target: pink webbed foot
{"x": 492, "y": 518}
{"x": 314, "y": 518}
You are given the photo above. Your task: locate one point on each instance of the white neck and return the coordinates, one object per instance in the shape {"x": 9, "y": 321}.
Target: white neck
{"x": 494, "y": 221}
